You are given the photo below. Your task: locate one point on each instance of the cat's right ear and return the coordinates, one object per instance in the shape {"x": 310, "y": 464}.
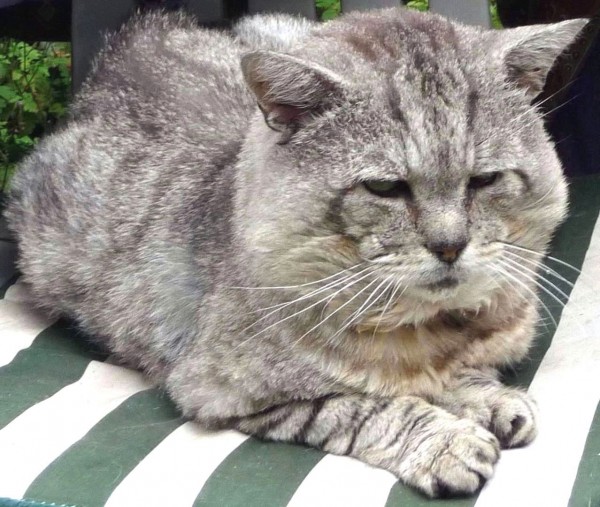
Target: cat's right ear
{"x": 529, "y": 52}
{"x": 289, "y": 91}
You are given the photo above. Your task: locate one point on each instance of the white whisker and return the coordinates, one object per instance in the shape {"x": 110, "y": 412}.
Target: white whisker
{"x": 534, "y": 281}
{"x": 319, "y": 290}
{"x": 356, "y": 314}
{"x": 505, "y": 274}
{"x": 548, "y": 270}
{"x": 392, "y": 295}
{"x": 540, "y": 254}
{"x": 524, "y": 270}
{"x": 335, "y": 311}
{"x": 302, "y": 284}
{"x": 301, "y": 311}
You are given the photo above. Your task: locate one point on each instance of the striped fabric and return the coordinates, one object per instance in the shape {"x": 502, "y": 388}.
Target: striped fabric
{"x": 77, "y": 430}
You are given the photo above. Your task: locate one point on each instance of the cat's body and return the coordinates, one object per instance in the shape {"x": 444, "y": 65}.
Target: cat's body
{"x": 172, "y": 223}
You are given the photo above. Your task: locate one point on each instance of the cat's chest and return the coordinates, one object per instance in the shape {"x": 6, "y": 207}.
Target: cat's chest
{"x": 398, "y": 362}
{"x": 419, "y": 360}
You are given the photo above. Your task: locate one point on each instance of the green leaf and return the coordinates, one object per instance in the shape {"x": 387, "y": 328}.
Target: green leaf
{"x": 42, "y": 71}
{"x": 35, "y": 84}
{"x": 496, "y": 22}
{"x": 16, "y": 75}
{"x": 419, "y": 5}
{"x": 24, "y": 141}
{"x": 8, "y": 94}
{"x": 29, "y": 104}
{"x": 330, "y": 14}
{"x": 57, "y": 108}
{"x": 327, "y": 4}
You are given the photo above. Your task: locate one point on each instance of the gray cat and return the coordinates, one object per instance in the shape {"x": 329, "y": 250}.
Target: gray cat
{"x": 343, "y": 266}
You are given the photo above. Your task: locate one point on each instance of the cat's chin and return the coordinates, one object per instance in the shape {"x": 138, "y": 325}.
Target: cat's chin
{"x": 453, "y": 292}
{"x": 448, "y": 283}
{"x": 443, "y": 287}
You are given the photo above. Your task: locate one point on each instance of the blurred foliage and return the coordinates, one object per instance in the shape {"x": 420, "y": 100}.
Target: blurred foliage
{"x": 329, "y": 9}
{"x": 496, "y": 23}
{"x": 35, "y": 84}
{"x": 419, "y": 5}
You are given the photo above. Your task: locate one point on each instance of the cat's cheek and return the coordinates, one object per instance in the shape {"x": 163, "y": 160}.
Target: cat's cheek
{"x": 370, "y": 247}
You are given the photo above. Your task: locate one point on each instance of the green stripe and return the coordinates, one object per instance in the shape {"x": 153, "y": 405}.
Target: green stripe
{"x": 258, "y": 473}
{"x": 10, "y": 281}
{"x": 586, "y": 490}
{"x": 88, "y": 472}
{"x": 9, "y": 502}
{"x": 55, "y": 359}
{"x": 570, "y": 245}
{"x": 8, "y": 260}
{"x": 403, "y": 496}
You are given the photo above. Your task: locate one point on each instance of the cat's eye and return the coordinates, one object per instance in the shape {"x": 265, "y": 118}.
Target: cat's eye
{"x": 388, "y": 188}
{"x": 483, "y": 180}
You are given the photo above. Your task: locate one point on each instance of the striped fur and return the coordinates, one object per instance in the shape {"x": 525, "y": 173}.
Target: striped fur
{"x": 251, "y": 270}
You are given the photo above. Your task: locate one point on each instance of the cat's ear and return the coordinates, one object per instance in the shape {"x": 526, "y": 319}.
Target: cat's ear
{"x": 529, "y": 52}
{"x": 289, "y": 91}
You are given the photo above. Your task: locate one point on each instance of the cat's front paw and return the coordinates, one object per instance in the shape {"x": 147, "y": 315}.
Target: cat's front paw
{"x": 508, "y": 413}
{"x": 454, "y": 457}
{"x": 514, "y": 419}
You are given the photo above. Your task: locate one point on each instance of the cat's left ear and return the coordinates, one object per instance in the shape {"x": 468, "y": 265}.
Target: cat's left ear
{"x": 289, "y": 91}
{"x": 529, "y": 52}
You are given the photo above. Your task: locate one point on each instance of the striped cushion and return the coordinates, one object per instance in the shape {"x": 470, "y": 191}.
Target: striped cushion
{"x": 76, "y": 429}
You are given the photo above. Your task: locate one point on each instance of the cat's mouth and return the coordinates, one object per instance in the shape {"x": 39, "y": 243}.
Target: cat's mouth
{"x": 448, "y": 282}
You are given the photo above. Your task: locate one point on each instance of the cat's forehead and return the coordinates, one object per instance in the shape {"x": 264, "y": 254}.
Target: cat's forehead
{"x": 418, "y": 124}
{"x": 431, "y": 109}
{"x": 378, "y": 34}
{"x": 425, "y": 93}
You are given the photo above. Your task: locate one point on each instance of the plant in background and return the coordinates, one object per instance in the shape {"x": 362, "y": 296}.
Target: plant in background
{"x": 496, "y": 23}
{"x": 35, "y": 83}
{"x": 328, "y": 9}
{"x": 419, "y": 5}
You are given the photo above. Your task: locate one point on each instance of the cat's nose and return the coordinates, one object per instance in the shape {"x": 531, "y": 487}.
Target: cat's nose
{"x": 445, "y": 251}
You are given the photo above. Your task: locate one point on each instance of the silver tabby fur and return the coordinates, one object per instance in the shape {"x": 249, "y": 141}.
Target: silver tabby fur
{"x": 173, "y": 219}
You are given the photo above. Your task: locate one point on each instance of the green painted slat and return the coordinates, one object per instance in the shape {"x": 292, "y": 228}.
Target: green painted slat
{"x": 88, "y": 472}
{"x": 4, "y": 287}
{"x": 258, "y": 474}
{"x": 10, "y": 502}
{"x": 586, "y": 489}
{"x": 570, "y": 245}
{"x": 56, "y": 358}
{"x": 403, "y": 496}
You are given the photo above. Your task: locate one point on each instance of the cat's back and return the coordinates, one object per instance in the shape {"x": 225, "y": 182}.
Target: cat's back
{"x": 163, "y": 71}
{"x": 140, "y": 166}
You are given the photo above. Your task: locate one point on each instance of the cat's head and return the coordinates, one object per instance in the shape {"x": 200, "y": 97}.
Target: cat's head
{"x": 406, "y": 145}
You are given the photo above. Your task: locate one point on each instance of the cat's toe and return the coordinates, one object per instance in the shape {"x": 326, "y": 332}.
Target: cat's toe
{"x": 461, "y": 460}
{"x": 514, "y": 420}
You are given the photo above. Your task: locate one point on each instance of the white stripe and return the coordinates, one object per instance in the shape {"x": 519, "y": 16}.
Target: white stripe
{"x": 20, "y": 323}
{"x": 338, "y": 481}
{"x": 43, "y": 432}
{"x": 18, "y": 292}
{"x": 567, "y": 389}
{"x": 175, "y": 471}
